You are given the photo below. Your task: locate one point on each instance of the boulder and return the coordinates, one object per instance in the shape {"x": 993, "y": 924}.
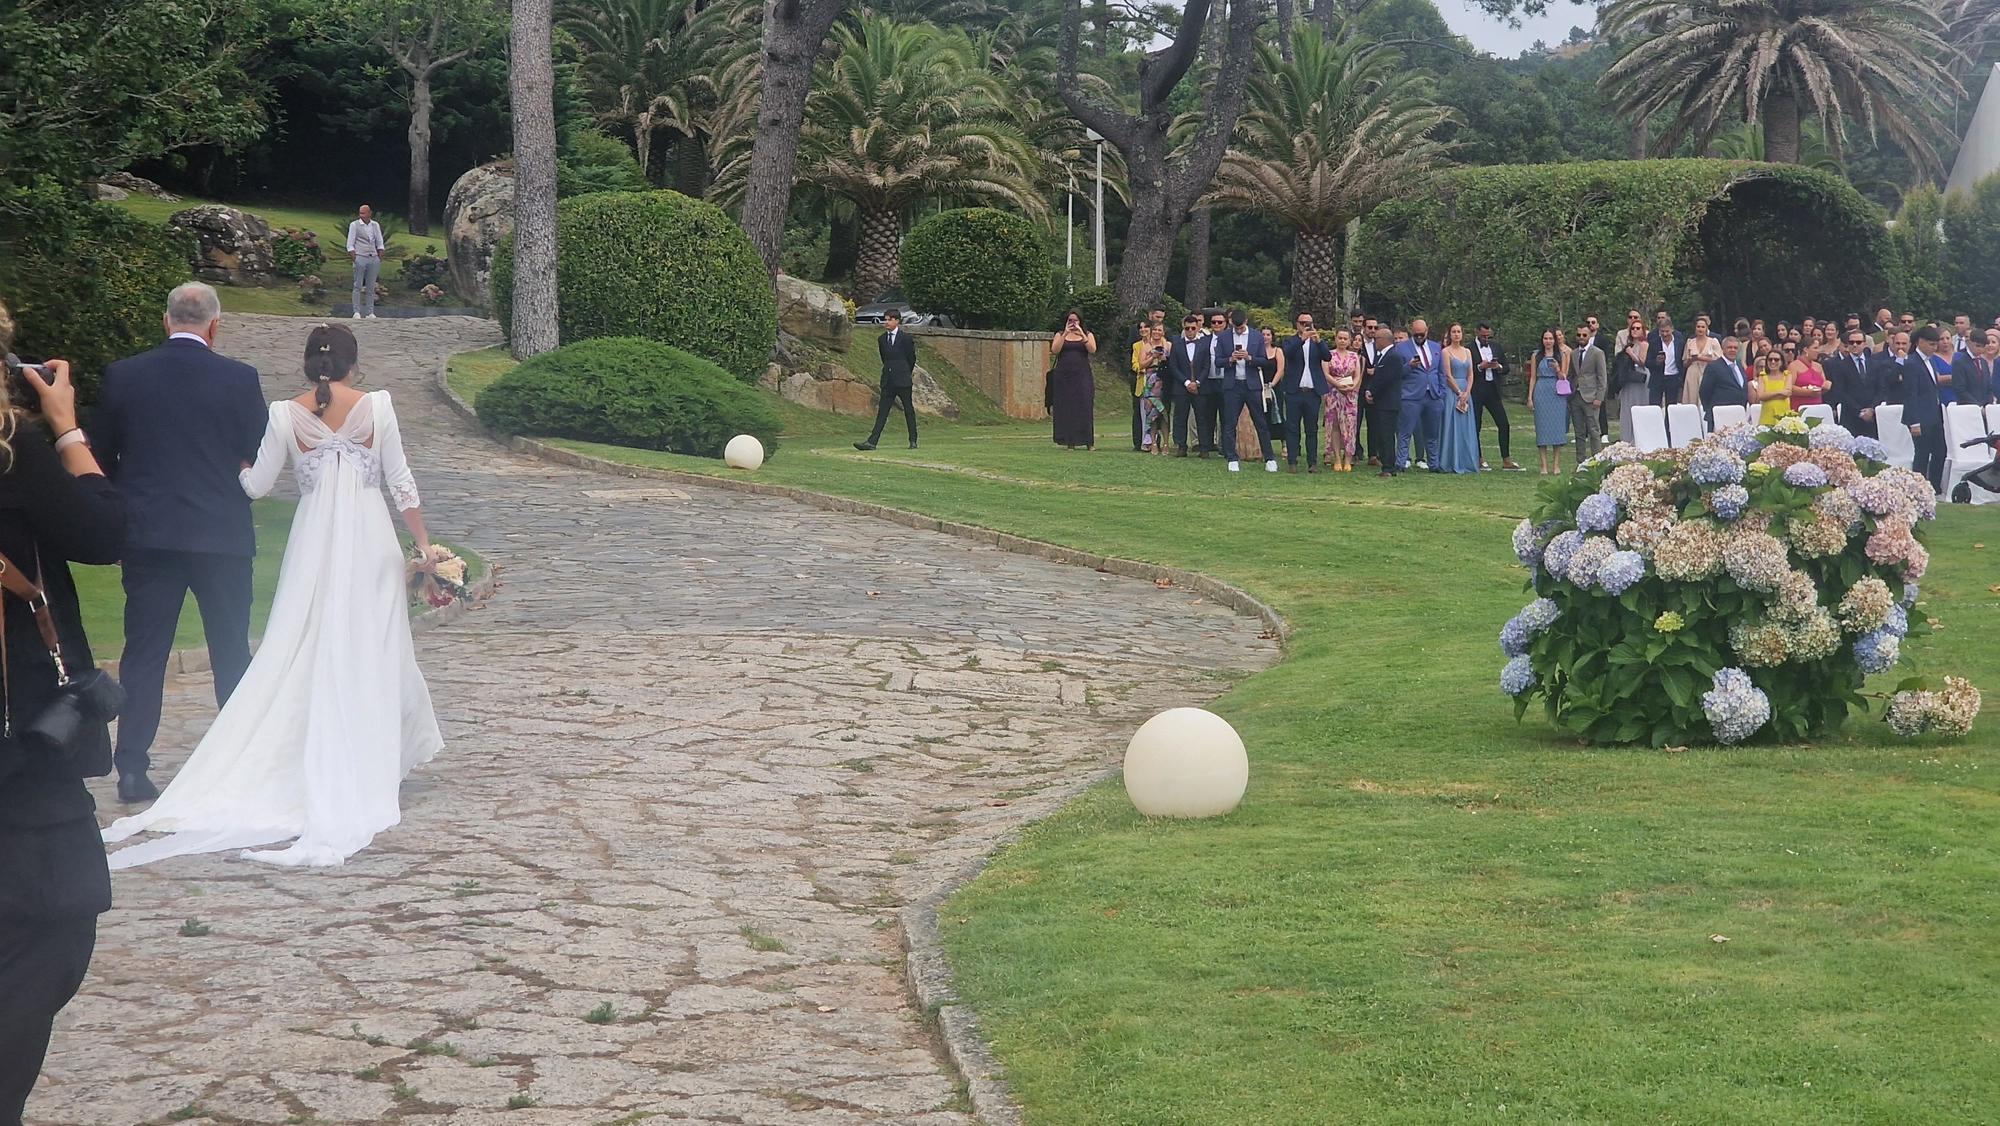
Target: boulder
{"x": 139, "y": 185}
{"x": 929, "y": 396}
{"x": 107, "y": 192}
{"x": 832, "y": 388}
{"x": 232, "y": 246}
{"x": 814, "y": 313}
{"x": 478, "y": 213}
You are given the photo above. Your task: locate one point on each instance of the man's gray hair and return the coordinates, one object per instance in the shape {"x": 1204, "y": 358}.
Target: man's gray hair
{"x": 1728, "y": 340}
{"x": 193, "y": 305}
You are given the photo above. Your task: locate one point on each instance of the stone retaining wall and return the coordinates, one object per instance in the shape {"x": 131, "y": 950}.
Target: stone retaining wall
{"x": 1008, "y": 366}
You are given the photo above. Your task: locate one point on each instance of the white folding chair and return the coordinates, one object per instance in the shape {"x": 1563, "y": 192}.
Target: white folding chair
{"x": 1649, "y": 429}
{"x": 1683, "y": 424}
{"x": 1993, "y": 418}
{"x": 1728, "y": 416}
{"x": 1818, "y": 410}
{"x": 1896, "y": 438}
{"x": 1962, "y": 423}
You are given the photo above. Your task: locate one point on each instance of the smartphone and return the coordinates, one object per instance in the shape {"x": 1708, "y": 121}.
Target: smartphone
{"x": 18, "y": 388}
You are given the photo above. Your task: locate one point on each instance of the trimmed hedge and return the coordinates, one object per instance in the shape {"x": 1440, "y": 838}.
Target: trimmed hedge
{"x": 628, "y": 391}
{"x": 1972, "y": 241}
{"x": 1526, "y": 246}
{"x": 659, "y": 265}
{"x": 87, "y": 281}
{"x": 983, "y": 267}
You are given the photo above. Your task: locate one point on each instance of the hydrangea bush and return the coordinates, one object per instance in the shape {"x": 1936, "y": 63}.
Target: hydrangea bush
{"x": 1739, "y": 588}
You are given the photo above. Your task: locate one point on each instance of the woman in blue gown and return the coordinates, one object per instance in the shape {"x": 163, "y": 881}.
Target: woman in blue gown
{"x": 1459, "y": 451}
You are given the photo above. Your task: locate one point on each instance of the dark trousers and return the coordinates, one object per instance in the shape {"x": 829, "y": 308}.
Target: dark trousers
{"x": 1383, "y": 419}
{"x": 1371, "y": 432}
{"x": 1930, "y": 455}
{"x": 1664, "y": 394}
{"x": 53, "y": 884}
{"x": 157, "y": 584}
{"x": 890, "y": 397}
{"x": 1486, "y": 399}
{"x": 1179, "y": 405}
{"x": 1302, "y": 411}
{"x": 1207, "y": 416}
{"x": 1235, "y": 398}
{"x": 1138, "y": 423}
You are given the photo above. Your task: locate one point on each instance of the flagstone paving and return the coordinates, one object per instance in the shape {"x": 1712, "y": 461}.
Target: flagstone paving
{"x": 700, "y": 749}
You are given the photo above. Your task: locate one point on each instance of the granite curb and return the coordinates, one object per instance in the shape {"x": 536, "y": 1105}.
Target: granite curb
{"x": 927, "y": 970}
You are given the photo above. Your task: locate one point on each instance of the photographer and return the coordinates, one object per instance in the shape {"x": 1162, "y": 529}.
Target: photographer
{"x": 55, "y": 508}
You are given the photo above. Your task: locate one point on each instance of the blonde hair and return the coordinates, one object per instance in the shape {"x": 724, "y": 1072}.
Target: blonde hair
{"x": 7, "y": 418}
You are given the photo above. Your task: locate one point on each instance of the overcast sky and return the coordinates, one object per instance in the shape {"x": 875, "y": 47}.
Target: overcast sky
{"x": 1495, "y": 37}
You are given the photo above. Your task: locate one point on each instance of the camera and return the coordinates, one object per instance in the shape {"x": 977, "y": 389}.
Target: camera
{"x": 19, "y": 390}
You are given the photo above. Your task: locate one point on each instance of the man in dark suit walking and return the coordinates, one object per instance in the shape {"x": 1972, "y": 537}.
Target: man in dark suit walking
{"x": 1382, "y": 396}
{"x": 1303, "y": 385}
{"x": 899, "y": 365}
{"x": 1666, "y": 362}
{"x": 1923, "y": 410}
{"x": 174, "y": 428}
{"x": 1188, "y": 369}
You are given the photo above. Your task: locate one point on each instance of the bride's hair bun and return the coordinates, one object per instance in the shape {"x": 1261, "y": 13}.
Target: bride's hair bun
{"x": 330, "y": 356}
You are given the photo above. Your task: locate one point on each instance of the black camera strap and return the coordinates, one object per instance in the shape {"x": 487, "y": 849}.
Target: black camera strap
{"x": 13, "y": 582}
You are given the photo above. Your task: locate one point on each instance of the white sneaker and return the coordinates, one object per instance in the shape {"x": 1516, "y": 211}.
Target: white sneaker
{"x": 1235, "y": 467}
{"x": 371, "y": 316}
{"x": 357, "y": 316}
{"x": 1423, "y": 465}
{"x": 1270, "y": 467}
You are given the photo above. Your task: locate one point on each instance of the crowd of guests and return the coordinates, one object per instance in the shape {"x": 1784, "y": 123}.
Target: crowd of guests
{"x": 1393, "y": 397}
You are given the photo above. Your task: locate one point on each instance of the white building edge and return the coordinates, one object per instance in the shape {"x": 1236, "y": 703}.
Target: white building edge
{"x": 1979, "y": 156}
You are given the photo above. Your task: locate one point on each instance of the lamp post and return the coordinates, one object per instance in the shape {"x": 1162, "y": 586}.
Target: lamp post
{"x": 1069, "y": 230}
{"x": 1098, "y": 219}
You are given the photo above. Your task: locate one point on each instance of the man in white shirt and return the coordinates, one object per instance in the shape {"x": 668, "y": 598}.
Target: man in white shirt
{"x": 364, "y": 246}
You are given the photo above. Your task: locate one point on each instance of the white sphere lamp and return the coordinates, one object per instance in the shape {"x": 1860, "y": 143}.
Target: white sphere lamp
{"x": 743, "y": 452}
{"x": 1186, "y": 762}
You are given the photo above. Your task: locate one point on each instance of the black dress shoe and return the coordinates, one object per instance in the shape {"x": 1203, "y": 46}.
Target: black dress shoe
{"x": 136, "y": 788}
{"x": 913, "y": 445}
{"x": 864, "y": 446}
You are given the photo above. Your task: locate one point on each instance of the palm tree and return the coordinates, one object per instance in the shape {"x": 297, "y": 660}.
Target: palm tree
{"x": 1743, "y": 142}
{"x": 1716, "y": 62}
{"x": 531, "y": 82}
{"x": 649, "y": 66}
{"x": 905, "y": 113}
{"x": 1325, "y": 138}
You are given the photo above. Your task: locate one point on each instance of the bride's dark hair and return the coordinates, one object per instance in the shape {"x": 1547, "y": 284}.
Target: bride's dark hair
{"x": 330, "y": 355}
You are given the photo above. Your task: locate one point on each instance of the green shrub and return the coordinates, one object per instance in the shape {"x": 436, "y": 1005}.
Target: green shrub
{"x": 629, "y": 391}
{"x": 658, "y": 265}
{"x": 297, "y": 253}
{"x": 1919, "y": 259}
{"x": 983, "y": 267}
{"x": 1972, "y": 242}
{"x": 1098, "y": 306}
{"x": 426, "y": 269}
{"x": 87, "y": 281}
{"x": 590, "y": 162}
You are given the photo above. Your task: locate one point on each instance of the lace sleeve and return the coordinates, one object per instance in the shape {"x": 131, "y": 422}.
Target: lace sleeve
{"x": 395, "y": 467}
{"x": 262, "y": 476}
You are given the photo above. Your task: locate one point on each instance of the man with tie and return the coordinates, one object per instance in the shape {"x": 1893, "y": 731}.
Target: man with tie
{"x": 1382, "y": 396}
{"x": 899, "y": 364}
{"x": 1923, "y": 413}
{"x": 1854, "y": 394}
{"x": 1489, "y": 387}
{"x": 1303, "y": 384}
{"x": 1724, "y": 383}
{"x": 1590, "y": 381}
{"x": 1188, "y": 375}
{"x": 1371, "y": 351}
{"x": 1972, "y": 369}
{"x": 1962, "y": 340}
{"x": 1421, "y": 423}
{"x": 1666, "y": 361}
{"x": 1241, "y": 360}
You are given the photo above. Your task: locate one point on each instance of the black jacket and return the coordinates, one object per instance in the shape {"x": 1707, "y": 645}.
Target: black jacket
{"x": 1299, "y": 357}
{"x": 1969, "y": 383}
{"x": 1921, "y": 406}
{"x": 1719, "y": 388}
{"x": 1383, "y": 385}
{"x": 899, "y": 359}
{"x": 1499, "y": 382}
{"x": 1656, "y": 360}
{"x": 1854, "y": 388}
{"x": 1180, "y": 369}
{"x": 46, "y": 513}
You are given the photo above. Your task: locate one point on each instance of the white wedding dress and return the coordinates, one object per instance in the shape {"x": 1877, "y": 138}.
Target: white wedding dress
{"x": 315, "y": 742}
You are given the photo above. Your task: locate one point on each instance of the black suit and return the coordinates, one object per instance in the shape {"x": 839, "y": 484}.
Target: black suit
{"x": 1724, "y": 384}
{"x": 174, "y": 428}
{"x": 1181, "y": 370}
{"x": 1382, "y": 398}
{"x": 899, "y": 364}
{"x": 1489, "y": 394}
{"x": 1972, "y": 379}
{"x": 1854, "y": 391}
{"x": 1660, "y": 387}
{"x": 1922, "y": 408}
{"x": 1303, "y": 385}
{"x": 1380, "y": 442}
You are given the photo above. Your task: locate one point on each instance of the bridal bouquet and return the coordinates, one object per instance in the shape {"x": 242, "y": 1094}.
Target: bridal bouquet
{"x": 1744, "y": 586}
{"x": 443, "y": 583}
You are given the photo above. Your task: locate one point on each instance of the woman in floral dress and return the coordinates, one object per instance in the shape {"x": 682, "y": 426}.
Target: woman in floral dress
{"x": 1343, "y": 375}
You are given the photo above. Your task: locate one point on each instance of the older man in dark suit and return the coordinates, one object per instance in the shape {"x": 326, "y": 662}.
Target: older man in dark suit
{"x": 899, "y": 365}
{"x": 1724, "y": 382}
{"x": 174, "y": 427}
{"x": 1382, "y": 396}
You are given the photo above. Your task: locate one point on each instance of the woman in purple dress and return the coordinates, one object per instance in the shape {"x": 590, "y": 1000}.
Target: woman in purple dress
{"x": 1072, "y": 389}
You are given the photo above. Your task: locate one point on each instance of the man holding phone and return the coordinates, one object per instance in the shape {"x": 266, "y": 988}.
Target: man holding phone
{"x": 1241, "y": 360}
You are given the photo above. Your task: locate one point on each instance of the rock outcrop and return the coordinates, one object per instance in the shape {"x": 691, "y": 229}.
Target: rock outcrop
{"x": 232, "y": 246}
{"x": 814, "y": 313}
{"x": 478, "y": 213}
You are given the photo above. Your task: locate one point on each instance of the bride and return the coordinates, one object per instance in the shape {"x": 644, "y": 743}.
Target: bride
{"x": 333, "y": 713}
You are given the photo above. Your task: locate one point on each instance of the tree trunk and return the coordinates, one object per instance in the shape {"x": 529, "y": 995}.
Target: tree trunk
{"x": 1316, "y": 277}
{"x": 793, "y": 32}
{"x": 1781, "y": 127}
{"x": 1638, "y": 138}
{"x": 876, "y": 264}
{"x": 1287, "y": 19}
{"x": 1327, "y": 13}
{"x": 1196, "y": 287}
{"x": 1100, "y": 18}
{"x": 531, "y": 83}
{"x": 420, "y": 153}
{"x": 642, "y": 137}
{"x": 1149, "y": 248}
{"x": 691, "y": 167}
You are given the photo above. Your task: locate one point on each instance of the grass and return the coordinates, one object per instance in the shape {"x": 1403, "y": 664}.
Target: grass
{"x": 1424, "y": 911}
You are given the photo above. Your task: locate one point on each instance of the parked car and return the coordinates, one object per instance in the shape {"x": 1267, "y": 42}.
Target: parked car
{"x": 873, "y": 312}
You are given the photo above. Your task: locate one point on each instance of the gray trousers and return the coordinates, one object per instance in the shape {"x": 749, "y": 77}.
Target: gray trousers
{"x": 367, "y": 267}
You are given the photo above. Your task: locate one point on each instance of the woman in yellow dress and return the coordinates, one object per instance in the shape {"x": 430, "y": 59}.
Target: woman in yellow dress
{"x": 1774, "y": 387}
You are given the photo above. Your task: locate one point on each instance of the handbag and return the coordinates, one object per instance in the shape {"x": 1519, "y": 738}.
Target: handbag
{"x": 90, "y": 698}
{"x": 1563, "y": 387}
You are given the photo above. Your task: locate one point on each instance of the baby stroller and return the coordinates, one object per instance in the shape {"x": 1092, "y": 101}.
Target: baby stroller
{"x": 1985, "y": 477}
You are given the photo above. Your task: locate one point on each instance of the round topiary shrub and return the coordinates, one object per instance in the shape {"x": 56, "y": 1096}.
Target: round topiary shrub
{"x": 658, "y": 265}
{"x": 1098, "y": 306}
{"x": 982, "y": 267}
{"x": 1743, "y": 587}
{"x": 629, "y": 391}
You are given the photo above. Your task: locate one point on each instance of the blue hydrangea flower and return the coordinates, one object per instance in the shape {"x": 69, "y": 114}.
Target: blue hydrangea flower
{"x": 1741, "y": 440}
{"x": 1539, "y": 614}
{"x": 1735, "y": 707}
{"x": 1515, "y": 637}
{"x": 1898, "y": 622}
{"x": 1597, "y": 513}
{"x": 1621, "y": 571}
{"x": 1729, "y": 501}
{"x": 1804, "y": 475}
{"x": 1556, "y": 556}
{"x": 1828, "y": 435}
{"x": 1527, "y": 545}
{"x": 1910, "y": 592}
{"x": 1517, "y": 676}
{"x": 1871, "y": 449}
{"x": 1877, "y": 651}
{"x": 1715, "y": 465}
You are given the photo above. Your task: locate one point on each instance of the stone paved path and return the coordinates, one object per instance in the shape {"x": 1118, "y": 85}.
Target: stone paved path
{"x": 694, "y": 764}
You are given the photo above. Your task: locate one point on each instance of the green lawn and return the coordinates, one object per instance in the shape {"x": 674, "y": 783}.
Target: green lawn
{"x": 1427, "y": 912}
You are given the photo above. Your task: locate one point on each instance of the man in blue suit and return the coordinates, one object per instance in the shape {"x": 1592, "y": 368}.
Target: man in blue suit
{"x": 174, "y": 427}
{"x": 1303, "y": 386}
{"x": 1423, "y": 398}
{"x": 1923, "y": 410}
{"x": 1244, "y": 366}
{"x": 1382, "y": 396}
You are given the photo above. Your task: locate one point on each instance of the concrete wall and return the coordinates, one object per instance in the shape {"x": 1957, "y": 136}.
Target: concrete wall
{"x": 1007, "y": 366}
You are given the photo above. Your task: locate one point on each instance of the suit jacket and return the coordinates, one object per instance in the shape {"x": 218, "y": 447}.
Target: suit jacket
{"x": 1261, "y": 363}
{"x": 1853, "y": 387}
{"x": 172, "y": 430}
{"x": 1425, "y": 383}
{"x": 1180, "y": 368}
{"x": 1499, "y": 381}
{"x": 1656, "y": 360}
{"x": 899, "y": 359}
{"x": 1300, "y": 357}
{"x": 1921, "y": 405}
{"x": 1885, "y": 376}
{"x": 1385, "y": 381}
{"x": 1971, "y": 379}
{"x": 1590, "y": 381}
{"x": 1720, "y": 388}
